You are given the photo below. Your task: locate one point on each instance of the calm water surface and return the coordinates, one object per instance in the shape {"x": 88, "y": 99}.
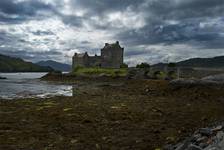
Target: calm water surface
{"x": 28, "y": 85}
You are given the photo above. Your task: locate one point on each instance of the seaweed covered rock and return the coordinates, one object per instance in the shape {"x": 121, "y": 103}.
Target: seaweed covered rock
{"x": 53, "y": 75}
{"x": 211, "y": 138}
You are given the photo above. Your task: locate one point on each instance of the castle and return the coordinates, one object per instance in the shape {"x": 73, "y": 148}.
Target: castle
{"x": 111, "y": 57}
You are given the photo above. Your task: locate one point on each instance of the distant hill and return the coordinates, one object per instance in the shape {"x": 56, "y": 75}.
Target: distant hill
{"x": 55, "y": 65}
{"x": 11, "y": 64}
{"x": 215, "y": 62}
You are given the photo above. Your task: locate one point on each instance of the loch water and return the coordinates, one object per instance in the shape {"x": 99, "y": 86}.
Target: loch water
{"x": 29, "y": 85}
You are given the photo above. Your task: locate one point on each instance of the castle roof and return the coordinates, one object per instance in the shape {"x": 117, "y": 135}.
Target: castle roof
{"x": 80, "y": 54}
{"x": 113, "y": 45}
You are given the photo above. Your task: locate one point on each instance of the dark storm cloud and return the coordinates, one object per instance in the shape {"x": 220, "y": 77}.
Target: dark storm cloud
{"x": 28, "y": 54}
{"x": 7, "y": 19}
{"x": 7, "y": 38}
{"x": 169, "y": 34}
{"x": 27, "y": 8}
{"x": 183, "y": 9}
{"x": 134, "y": 52}
{"x": 72, "y": 20}
{"x": 99, "y": 7}
{"x": 186, "y": 15}
{"x": 195, "y": 23}
{"x": 21, "y": 10}
{"x": 41, "y": 33}
{"x": 158, "y": 14}
{"x": 201, "y": 8}
{"x": 155, "y": 10}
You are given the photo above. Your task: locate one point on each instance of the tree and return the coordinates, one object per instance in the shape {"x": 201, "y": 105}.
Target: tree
{"x": 143, "y": 65}
{"x": 124, "y": 65}
{"x": 171, "y": 65}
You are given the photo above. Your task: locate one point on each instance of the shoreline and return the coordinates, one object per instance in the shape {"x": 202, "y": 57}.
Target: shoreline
{"x": 128, "y": 114}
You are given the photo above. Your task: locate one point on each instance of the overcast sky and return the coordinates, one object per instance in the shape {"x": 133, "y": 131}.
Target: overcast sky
{"x": 150, "y": 30}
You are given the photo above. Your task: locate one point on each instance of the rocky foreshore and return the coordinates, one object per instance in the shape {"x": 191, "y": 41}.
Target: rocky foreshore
{"x": 115, "y": 114}
{"x": 210, "y": 138}
{"x": 211, "y": 81}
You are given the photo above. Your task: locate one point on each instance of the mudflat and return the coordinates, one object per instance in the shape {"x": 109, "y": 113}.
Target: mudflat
{"x": 118, "y": 114}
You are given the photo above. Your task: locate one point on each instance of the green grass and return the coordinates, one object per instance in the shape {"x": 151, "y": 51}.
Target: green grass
{"x": 100, "y": 71}
{"x": 160, "y": 75}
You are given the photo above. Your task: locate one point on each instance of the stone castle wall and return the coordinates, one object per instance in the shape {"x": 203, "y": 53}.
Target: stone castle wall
{"x": 94, "y": 61}
{"x": 111, "y": 57}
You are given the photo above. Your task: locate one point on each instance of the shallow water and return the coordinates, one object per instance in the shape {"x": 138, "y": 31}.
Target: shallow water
{"x": 28, "y": 85}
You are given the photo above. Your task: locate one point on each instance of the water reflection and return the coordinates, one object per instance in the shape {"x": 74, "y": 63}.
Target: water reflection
{"x": 27, "y": 85}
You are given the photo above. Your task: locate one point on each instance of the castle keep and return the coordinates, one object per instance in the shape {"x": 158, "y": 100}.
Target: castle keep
{"x": 111, "y": 57}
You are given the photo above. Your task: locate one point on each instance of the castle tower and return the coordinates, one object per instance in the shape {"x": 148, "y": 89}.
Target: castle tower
{"x": 80, "y": 60}
{"x": 112, "y": 55}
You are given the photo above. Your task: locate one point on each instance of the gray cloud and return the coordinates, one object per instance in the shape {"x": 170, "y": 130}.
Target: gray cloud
{"x": 28, "y": 55}
{"x": 12, "y": 11}
{"x": 39, "y": 33}
{"x": 84, "y": 25}
{"x": 99, "y": 7}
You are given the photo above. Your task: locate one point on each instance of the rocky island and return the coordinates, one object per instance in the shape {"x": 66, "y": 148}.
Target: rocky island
{"x": 116, "y": 107}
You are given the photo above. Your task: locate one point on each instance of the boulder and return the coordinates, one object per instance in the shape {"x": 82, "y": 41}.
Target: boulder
{"x": 138, "y": 73}
{"x": 194, "y": 82}
{"x": 215, "y": 78}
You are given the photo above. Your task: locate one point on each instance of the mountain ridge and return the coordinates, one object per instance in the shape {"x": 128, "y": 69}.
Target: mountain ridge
{"x": 13, "y": 64}
{"x": 212, "y": 62}
{"x": 55, "y": 65}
